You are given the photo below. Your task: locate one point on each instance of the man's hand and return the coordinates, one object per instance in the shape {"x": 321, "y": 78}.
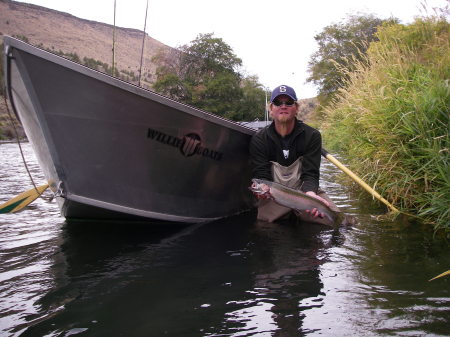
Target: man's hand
{"x": 314, "y": 212}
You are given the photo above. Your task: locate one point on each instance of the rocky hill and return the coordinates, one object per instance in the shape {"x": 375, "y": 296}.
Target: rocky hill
{"x": 62, "y": 32}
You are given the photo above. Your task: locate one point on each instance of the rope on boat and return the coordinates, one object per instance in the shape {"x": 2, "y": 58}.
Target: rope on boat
{"x": 16, "y": 134}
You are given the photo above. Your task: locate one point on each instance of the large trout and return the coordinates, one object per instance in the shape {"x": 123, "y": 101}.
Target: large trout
{"x": 296, "y": 200}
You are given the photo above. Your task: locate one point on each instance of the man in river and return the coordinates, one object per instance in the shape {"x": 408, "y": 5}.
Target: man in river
{"x": 288, "y": 152}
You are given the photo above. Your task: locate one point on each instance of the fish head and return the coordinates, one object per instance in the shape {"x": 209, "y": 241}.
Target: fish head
{"x": 259, "y": 188}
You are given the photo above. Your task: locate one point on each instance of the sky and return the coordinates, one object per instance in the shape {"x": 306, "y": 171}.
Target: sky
{"x": 274, "y": 39}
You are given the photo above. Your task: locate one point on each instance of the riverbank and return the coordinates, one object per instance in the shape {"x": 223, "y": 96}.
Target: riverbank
{"x": 391, "y": 121}
{"x": 7, "y": 132}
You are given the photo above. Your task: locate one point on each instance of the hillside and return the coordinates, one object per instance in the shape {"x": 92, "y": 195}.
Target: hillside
{"x": 78, "y": 36}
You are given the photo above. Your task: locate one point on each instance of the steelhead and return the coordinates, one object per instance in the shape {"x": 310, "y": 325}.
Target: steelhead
{"x": 294, "y": 199}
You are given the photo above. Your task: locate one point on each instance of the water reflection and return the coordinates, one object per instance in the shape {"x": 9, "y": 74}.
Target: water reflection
{"x": 376, "y": 284}
{"x": 233, "y": 277}
{"x": 95, "y": 263}
{"x": 287, "y": 256}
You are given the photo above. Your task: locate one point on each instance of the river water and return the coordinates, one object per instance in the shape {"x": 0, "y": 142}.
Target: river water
{"x": 233, "y": 277}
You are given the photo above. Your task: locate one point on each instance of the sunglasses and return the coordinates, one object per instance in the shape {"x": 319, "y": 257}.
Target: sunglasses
{"x": 287, "y": 103}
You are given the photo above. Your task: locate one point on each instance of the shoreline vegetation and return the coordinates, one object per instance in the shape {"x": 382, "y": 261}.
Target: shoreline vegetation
{"x": 391, "y": 121}
{"x": 7, "y": 132}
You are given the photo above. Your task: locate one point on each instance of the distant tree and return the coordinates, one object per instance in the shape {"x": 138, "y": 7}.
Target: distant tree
{"x": 22, "y": 37}
{"x": 207, "y": 56}
{"x": 208, "y": 69}
{"x": 205, "y": 74}
{"x": 74, "y": 57}
{"x": 91, "y": 63}
{"x": 252, "y": 102}
{"x": 219, "y": 94}
{"x": 171, "y": 85}
{"x": 341, "y": 45}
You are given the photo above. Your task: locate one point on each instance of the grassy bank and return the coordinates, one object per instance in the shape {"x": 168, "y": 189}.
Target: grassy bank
{"x": 392, "y": 121}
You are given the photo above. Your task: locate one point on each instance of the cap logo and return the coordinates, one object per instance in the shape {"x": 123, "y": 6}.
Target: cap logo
{"x": 283, "y": 90}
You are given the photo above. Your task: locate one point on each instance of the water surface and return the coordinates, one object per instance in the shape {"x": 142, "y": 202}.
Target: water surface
{"x": 233, "y": 277}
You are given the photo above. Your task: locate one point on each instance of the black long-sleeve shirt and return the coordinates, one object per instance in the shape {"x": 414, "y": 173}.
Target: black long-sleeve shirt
{"x": 304, "y": 141}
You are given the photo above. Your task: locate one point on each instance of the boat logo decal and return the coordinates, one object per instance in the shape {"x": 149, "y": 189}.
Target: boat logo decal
{"x": 189, "y": 145}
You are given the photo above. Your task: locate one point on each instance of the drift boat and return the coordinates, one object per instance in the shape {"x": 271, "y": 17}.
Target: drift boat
{"x": 113, "y": 150}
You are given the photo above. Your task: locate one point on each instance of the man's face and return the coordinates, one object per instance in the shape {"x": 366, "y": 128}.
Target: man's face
{"x": 283, "y": 109}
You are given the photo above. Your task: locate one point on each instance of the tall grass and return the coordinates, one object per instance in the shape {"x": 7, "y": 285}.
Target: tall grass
{"x": 392, "y": 120}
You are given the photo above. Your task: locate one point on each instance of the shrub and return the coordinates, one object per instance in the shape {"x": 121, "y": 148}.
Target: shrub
{"x": 393, "y": 120}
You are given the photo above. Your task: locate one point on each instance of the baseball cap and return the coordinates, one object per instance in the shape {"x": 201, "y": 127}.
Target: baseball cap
{"x": 283, "y": 90}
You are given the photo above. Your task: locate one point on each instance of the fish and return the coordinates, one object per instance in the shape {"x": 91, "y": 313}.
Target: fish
{"x": 294, "y": 199}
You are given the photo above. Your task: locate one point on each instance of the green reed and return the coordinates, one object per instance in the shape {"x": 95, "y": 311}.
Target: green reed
{"x": 392, "y": 120}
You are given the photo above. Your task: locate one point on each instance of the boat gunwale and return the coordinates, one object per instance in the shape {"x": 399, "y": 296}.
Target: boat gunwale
{"x": 10, "y": 42}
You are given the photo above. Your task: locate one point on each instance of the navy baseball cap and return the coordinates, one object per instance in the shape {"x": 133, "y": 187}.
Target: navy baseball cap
{"x": 283, "y": 90}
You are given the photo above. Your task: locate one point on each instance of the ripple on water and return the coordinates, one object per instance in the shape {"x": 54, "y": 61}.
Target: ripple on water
{"x": 27, "y": 241}
{"x": 229, "y": 278}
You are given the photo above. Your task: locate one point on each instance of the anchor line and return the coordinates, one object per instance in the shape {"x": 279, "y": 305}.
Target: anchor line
{"x": 16, "y": 134}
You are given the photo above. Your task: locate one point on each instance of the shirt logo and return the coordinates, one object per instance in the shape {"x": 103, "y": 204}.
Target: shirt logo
{"x": 286, "y": 154}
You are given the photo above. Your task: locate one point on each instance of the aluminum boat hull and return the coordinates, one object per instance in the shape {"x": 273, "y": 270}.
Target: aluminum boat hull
{"x": 112, "y": 150}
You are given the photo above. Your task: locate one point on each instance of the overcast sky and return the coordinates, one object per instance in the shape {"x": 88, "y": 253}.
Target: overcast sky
{"x": 274, "y": 39}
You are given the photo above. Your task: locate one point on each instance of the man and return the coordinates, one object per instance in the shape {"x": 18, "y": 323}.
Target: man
{"x": 288, "y": 152}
